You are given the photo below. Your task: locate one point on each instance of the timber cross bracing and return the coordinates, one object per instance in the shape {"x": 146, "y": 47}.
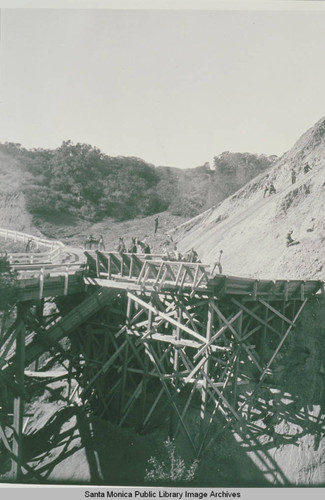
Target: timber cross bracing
{"x": 181, "y": 343}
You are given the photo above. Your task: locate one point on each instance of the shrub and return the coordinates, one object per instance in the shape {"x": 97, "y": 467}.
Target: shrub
{"x": 171, "y": 468}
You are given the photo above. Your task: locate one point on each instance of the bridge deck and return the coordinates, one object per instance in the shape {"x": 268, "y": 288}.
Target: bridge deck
{"x": 150, "y": 273}
{"x": 135, "y": 272}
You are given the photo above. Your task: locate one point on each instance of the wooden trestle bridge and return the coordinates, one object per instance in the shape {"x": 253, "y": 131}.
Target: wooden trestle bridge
{"x": 148, "y": 340}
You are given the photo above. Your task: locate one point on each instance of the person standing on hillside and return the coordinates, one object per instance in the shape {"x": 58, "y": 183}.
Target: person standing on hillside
{"x": 156, "y": 224}
{"x": 306, "y": 168}
{"x": 266, "y": 185}
{"x": 290, "y": 240}
{"x": 293, "y": 176}
{"x": 311, "y": 228}
{"x": 29, "y": 245}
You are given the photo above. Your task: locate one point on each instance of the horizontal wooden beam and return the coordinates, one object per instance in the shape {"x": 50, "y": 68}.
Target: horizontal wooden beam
{"x": 171, "y": 340}
{"x": 167, "y": 318}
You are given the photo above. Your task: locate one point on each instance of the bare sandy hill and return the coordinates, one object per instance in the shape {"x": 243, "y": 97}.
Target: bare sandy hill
{"x": 251, "y": 230}
{"x": 13, "y": 213}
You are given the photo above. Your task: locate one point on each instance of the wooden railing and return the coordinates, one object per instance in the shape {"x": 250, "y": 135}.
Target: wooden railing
{"x": 144, "y": 269}
{"x": 151, "y": 272}
{"x": 39, "y": 280}
{"x": 55, "y": 248}
{"x": 265, "y": 289}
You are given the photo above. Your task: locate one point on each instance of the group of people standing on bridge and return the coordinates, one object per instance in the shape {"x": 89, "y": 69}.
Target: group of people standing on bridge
{"x": 170, "y": 251}
{"x": 136, "y": 246}
{"x": 175, "y": 255}
{"x": 170, "y": 254}
{"x": 94, "y": 242}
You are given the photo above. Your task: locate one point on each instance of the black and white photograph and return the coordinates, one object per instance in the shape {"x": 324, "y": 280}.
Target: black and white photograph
{"x": 162, "y": 234}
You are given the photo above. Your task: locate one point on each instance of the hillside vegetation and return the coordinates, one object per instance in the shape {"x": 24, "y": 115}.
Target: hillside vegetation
{"x": 78, "y": 182}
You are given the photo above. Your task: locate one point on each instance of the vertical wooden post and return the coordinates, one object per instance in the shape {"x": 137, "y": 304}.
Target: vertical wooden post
{"x": 124, "y": 375}
{"x": 177, "y": 336}
{"x": 109, "y": 266}
{"x": 263, "y": 336}
{"x": 3, "y": 324}
{"x": 41, "y": 283}
{"x": 286, "y": 290}
{"x": 236, "y": 362}
{"x": 16, "y": 468}
{"x": 283, "y": 325}
{"x": 144, "y": 391}
{"x": 302, "y": 291}
{"x": 125, "y": 361}
{"x": 39, "y": 315}
{"x": 206, "y": 364}
{"x": 97, "y": 265}
{"x": 145, "y": 373}
{"x": 66, "y": 281}
{"x": 131, "y": 266}
{"x": 122, "y": 262}
{"x": 293, "y": 308}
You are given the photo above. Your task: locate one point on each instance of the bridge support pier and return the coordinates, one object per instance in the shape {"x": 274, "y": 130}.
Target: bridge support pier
{"x": 163, "y": 343}
{"x": 190, "y": 351}
{"x": 18, "y": 410}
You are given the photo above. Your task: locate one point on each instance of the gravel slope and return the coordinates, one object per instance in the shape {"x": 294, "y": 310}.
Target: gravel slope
{"x": 251, "y": 230}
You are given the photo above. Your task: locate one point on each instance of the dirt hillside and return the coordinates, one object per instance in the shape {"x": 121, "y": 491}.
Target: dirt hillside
{"x": 13, "y": 213}
{"x": 251, "y": 230}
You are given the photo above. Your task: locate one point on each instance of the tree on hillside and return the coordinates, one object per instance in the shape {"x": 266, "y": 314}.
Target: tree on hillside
{"x": 81, "y": 180}
{"x": 233, "y": 170}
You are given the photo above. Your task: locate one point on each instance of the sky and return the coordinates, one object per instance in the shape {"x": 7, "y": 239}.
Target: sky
{"x": 174, "y": 87}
